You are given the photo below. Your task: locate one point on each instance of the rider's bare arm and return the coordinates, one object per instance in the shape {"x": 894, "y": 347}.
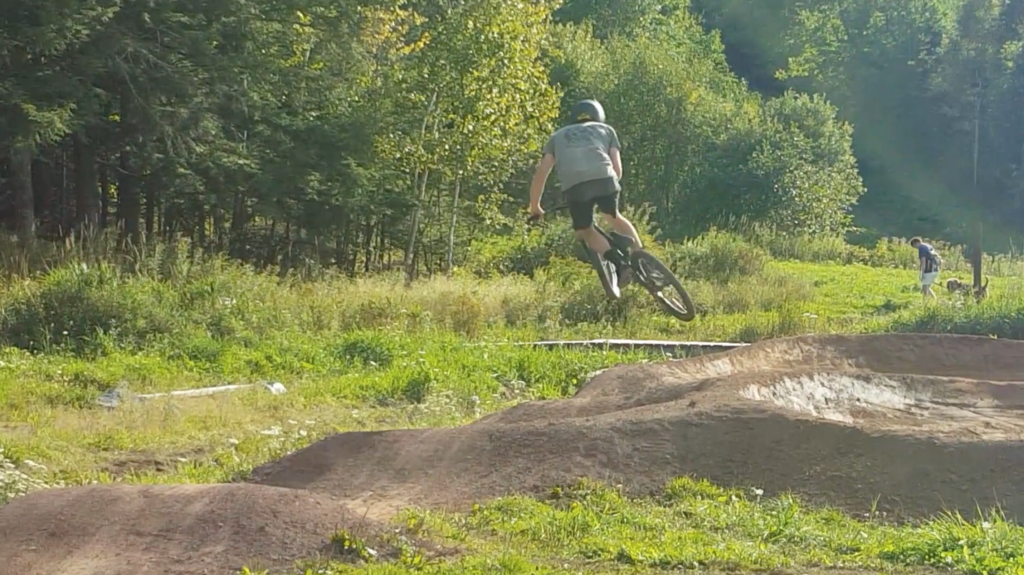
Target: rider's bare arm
{"x": 616, "y": 158}
{"x": 540, "y": 176}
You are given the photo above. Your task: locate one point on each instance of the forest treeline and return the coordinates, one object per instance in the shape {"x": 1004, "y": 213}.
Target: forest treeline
{"x": 375, "y": 133}
{"x": 934, "y": 88}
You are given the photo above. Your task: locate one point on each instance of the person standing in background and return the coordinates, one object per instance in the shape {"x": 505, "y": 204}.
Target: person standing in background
{"x": 929, "y": 263}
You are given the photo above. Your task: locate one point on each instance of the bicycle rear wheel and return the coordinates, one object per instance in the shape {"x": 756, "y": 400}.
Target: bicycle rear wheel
{"x": 656, "y": 277}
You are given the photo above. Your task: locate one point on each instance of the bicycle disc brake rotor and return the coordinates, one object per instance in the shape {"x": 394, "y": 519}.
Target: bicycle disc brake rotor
{"x": 657, "y": 283}
{"x": 654, "y": 278}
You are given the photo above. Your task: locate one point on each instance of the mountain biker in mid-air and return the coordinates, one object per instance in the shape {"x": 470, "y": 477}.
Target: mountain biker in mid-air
{"x": 586, "y": 156}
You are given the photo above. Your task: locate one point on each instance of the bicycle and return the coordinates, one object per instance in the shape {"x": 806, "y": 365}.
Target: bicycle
{"x": 647, "y": 269}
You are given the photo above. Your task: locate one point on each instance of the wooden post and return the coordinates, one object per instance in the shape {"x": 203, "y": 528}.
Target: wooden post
{"x": 976, "y": 256}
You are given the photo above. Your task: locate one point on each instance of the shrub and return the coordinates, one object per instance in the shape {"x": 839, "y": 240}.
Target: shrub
{"x": 716, "y": 256}
{"x": 533, "y": 248}
{"x": 366, "y": 348}
{"x": 802, "y": 246}
{"x": 577, "y": 291}
{"x": 521, "y": 253}
{"x": 76, "y": 304}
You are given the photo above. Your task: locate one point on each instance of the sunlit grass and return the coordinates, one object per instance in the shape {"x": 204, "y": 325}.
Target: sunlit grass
{"x": 694, "y": 526}
{"x": 51, "y": 417}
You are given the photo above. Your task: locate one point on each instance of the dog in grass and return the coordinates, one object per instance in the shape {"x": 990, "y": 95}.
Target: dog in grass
{"x": 982, "y": 292}
{"x": 954, "y": 285}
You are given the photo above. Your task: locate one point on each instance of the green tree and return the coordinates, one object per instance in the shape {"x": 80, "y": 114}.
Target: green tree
{"x": 699, "y": 146}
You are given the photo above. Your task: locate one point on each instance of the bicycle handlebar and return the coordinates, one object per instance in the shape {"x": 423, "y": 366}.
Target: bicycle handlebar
{"x": 557, "y": 208}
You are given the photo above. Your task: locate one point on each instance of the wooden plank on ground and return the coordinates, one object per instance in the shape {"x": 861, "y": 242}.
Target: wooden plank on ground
{"x": 624, "y": 344}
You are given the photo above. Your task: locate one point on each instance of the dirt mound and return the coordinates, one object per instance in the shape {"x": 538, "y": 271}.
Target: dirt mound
{"x": 921, "y": 422}
{"x": 168, "y": 529}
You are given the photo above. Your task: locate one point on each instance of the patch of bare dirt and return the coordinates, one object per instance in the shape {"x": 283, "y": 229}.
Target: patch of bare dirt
{"x": 169, "y": 529}
{"x": 921, "y": 422}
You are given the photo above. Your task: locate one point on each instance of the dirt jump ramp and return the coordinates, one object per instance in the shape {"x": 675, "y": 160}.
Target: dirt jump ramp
{"x": 168, "y": 529}
{"x": 918, "y": 423}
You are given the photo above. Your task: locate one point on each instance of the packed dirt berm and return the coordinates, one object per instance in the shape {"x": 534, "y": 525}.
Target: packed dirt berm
{"x": 917, "y": 422}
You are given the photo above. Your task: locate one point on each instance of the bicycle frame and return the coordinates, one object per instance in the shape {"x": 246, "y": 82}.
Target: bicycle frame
{"x": 620, "y": 244}
{"x": 640, "y": 261}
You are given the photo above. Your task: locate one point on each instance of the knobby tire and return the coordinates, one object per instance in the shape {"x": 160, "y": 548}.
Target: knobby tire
{"x": 643, "y": 261}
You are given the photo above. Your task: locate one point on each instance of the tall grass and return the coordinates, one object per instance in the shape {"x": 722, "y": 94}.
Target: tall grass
{"x": 93, "y": 300}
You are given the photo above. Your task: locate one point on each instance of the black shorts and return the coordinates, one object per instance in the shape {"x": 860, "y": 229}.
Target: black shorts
{"x": 581, "y": 199}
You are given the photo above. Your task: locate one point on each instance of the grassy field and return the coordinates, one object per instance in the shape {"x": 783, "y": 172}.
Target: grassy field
{"x": 368, "y": 353}
{"x": 693, "y": 526}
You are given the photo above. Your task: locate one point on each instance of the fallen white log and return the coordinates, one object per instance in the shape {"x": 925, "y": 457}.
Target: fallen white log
{"x": 114, "y": 397}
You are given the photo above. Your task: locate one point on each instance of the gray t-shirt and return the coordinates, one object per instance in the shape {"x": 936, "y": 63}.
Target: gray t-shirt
{"x": 581, "y": 152}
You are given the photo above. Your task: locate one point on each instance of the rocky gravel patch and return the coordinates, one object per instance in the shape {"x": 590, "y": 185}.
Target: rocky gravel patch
{"x": 16, "y": 480}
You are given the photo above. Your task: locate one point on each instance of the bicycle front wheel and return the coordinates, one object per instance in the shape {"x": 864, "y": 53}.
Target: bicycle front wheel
{"x": 656, "y": 279}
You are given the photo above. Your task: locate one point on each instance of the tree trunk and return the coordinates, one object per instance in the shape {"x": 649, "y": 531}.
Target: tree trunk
{"x": 24, "y": 199}
{"x": 270, "y": 254}
{"x": 200, "y": 226}
{"x": 128, "y": 203}
{"x": 450, "y": 256}
{"x": 104, "y": 197}
{"x": 368, "y": 244}
{"x": 341, "y": 242}
{"x": 158, "y": 216}
{"x": 220, "y": 233}
{"x": 239, "y": 219}
{"x": 410, "y": 249}
{"x": 286, "y": 259}
{"x": 170, "y": 218}
{"x": 151, "y": 207}
{"x": 46, "y": 201}
{"x": 87, "y": 191}
{"x": 351, "y": 245}
{"x": 54, "y": 192}
{"x": 339, "y": 252}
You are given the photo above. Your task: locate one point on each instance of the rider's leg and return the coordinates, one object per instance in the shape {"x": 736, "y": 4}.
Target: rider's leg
{"x": 620, "y": 224}
{"x": 583, "y": 224}
{"x": 582, "y": 214}
{"x": 593, "y": 239}
{"x": 609, "y": 207}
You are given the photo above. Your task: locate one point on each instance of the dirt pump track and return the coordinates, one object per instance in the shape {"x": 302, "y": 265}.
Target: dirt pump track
{"x": 906, "y": 423}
